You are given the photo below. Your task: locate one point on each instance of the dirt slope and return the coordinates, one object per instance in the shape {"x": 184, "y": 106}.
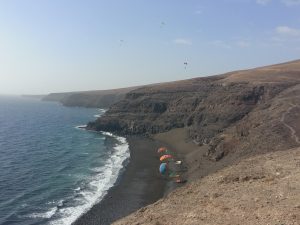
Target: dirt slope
{"x": 260, "y": 190}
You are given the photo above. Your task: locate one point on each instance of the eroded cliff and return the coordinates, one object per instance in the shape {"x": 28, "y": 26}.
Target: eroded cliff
{"x": 206, "y": 107}
{"x": 238, "y": 133}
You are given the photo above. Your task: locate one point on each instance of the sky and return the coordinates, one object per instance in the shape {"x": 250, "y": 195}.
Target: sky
{"x": 74, "y": 45}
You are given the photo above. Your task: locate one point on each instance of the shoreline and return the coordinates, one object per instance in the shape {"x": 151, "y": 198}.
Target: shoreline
{"x": 138, "y": 185}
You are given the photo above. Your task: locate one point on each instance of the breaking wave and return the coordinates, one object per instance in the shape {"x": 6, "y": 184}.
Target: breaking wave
{"x": 94, "y": 189}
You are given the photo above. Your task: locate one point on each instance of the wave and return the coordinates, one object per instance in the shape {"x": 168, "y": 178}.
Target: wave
{"x": 102, "y": 110}
{"x": 77, "y": 189}
{"x": 108, "y": 134}
{"x": 100, "y": 138}
{"x": 95, "y": 188}
{"x": 45, "y": 215}
{"x": 81, "y": 126}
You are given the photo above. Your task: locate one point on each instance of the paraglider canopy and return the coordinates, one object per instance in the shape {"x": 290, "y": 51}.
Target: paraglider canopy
{"x": 121, "y": 42}
{"x": 185, "y": 65}
{"x": 162, "y": 149}
{"x": 165, "y": 157}
{"x": 163, "y": 168}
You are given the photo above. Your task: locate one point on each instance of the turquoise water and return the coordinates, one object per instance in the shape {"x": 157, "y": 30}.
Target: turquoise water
{"x": 51, "y": 171}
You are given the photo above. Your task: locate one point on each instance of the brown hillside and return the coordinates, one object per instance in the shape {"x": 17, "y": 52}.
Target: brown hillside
{"x": 213, "y": 123}
{"x": 260, "y": 190}
{"x": 217, "y": 112}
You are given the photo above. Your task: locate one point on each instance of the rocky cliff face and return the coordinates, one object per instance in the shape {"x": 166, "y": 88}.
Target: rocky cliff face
{"x": 217, "y": 111}
{"x": 205, "y": 106}
{"x": 232, "y": 118}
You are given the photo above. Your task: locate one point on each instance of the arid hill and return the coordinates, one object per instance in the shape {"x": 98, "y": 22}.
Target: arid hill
{"x": 239, "y": 135}
{"x": 260, "y": 190}
{"x": 216, "y": 112}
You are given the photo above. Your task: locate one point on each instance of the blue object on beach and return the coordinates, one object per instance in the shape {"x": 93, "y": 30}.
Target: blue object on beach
{"x": 163, "y": 168}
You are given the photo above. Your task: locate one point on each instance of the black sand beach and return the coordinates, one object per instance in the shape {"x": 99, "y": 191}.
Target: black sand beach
{"x": 139, "y": 185}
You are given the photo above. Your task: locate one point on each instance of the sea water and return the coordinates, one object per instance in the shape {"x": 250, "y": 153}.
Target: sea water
{"x": 51, "y": 170}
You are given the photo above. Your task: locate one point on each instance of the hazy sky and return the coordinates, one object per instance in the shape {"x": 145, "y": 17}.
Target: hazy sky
{"x": 67, "y": 45}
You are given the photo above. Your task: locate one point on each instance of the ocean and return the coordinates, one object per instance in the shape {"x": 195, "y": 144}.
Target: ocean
{"x": 51, "y": 170}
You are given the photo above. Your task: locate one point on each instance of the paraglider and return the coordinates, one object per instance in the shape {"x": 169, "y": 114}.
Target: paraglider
{"x": 121, "y": 42}
{"x": 165, "y": 157}
{"x": 185, "y": 65}
{"x": 170, "y": 168}
{"x": 162, "y": 24}
{"x": 162, "y": 149}
{"x": 163, "y": 168}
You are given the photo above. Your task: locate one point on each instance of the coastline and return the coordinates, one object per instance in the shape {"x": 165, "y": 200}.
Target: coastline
{"x": 140, "y": 184}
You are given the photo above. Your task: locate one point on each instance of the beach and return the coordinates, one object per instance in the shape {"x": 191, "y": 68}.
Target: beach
{"x": 140, "y": 184}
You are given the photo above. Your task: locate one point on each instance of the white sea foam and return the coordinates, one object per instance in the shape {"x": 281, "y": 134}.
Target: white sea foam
{"x": 108, "y": 134}
{"x": 100, "y": 138}
{"x": 102, "y": 110}
{"x": 46, "y": 215}
{"x": 97, "y": 169}
{"x": 96, "y": 188}
{"x": 77, "y": 189}
{"x": 81, "y": 126}
{"x": 60, "y": 203}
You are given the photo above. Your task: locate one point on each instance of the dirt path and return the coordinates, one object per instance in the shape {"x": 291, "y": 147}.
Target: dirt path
{"x": 293, "y": 132}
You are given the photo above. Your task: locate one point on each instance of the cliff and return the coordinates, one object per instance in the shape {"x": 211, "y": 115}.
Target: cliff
{"x": 57, "y": 97}
{"x": 216, "y": 111}
{"x": 92, "y": 99}
{"x": 239, "y": 135}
